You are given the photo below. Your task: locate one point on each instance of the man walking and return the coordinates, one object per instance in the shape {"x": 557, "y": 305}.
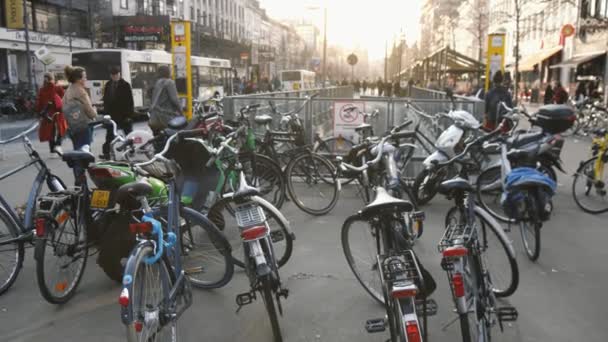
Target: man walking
{"x": 118, "y": 103}
{"x": 496, "y": 95}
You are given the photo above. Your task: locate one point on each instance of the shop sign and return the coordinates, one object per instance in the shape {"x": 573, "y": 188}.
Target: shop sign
{"x": 14, "y": 14}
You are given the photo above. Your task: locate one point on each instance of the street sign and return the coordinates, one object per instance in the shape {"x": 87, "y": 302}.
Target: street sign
{"x": 182, "y": 70}
{"x": 44, "y": 55}
{"x": 244, "y": 56}
{"x": 345, "y": 122}
{"x": 495, "y": 59}
{"x": 567, "y": 30}
{"x": 352, "y": 59}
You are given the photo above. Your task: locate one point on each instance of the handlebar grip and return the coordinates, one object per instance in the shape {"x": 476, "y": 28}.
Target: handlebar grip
{"x": 403, "y": 125}
{"x": 193, "y": 133}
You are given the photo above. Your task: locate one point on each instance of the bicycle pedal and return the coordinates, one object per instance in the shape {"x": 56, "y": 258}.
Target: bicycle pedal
{"x": 277, "y": 236}
{"x": 375, "y": 325}
{"x": 283, "y": 293}
{"x": 431, "y": 307}
{"x": 245, "y": 298}
{"x": 507, "y": 314}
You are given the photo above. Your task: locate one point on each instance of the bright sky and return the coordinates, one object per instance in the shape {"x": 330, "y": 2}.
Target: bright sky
{"x": 355, "y": 22}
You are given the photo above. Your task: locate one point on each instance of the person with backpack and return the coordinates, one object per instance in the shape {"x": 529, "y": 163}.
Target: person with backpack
{"x": 78, "y": 108}
{"x": 496, "y": 95}
{"x": 165, "y": 102}
{"x": 118, "y": 103}
{"x": 49, "y": 106}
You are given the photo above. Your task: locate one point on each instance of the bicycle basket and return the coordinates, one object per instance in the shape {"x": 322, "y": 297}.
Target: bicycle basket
{"x": 161, "y": 170}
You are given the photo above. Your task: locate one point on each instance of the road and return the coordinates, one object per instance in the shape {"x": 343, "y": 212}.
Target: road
{"x": 562, "y": 297}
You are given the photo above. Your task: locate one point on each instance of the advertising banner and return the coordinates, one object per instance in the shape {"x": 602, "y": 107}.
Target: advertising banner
{"x": 14, "y": 14}
{"x": 495, "y": 59}
{"x": 182, "y": 71}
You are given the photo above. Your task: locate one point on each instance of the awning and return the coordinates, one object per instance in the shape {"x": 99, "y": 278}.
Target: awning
{"x": 578, "y": 59}
{"x": 529, "y": 62}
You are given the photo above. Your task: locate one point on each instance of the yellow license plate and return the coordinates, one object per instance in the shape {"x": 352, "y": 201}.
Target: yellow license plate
{"x": 100, "y": 199}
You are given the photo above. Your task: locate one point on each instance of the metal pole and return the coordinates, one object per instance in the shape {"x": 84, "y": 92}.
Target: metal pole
{"x": 385, "y": 58}
{"x": 324, "y": 46}
{"x": 27, "y": 46}
{"x": 70, "y": 33}
{"x": 91, "y": 24}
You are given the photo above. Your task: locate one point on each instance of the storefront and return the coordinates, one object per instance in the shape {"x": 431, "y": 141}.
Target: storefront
{"x": 13, "y": 54}
{"x": 142, "y": 32}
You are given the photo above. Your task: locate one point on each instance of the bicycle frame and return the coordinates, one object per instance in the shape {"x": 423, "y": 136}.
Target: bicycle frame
{"x": 44, "y": 174}
{"x": 600, "y": 149}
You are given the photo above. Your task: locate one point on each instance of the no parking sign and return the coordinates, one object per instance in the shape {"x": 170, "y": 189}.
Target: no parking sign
{"x": 345, "y": 121}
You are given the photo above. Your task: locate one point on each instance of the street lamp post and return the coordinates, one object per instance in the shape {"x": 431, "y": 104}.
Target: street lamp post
{"x": 324, "y": 46}
{"x": 27, "y": 46}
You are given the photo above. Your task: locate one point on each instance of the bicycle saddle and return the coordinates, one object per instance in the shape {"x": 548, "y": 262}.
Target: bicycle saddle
{"x": 457, "y": 184}
{"x": 384, "y": 201}
{"x": 129, "y": 191}
{"x": 262, "y": 119}
{"x": 78, "y": 157}
{"x": 177, "y": 123}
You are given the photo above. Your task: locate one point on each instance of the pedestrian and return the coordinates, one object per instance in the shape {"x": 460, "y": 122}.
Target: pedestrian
{"x": 388, "y": 89}
{"x": 561, "y": 95}
{"x": 118, "y": 103}
{"x": 548, "y": 99}
{"x": 357, "y": 85}
{"x": 276, "y": 83}
{"x": 78, "y": 108}
{"x": 165, "y": 102}
{"x": 581, "y": 92}
{"x": 496, "y": 95}
{"x": 49, "y": 106}
{"x": 397, "y": 88}
{"x": 364, "y": 86}
{"x": 380, "y": 86}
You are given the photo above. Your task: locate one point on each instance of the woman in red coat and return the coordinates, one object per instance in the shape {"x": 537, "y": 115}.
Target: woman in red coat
{"x": 52, "y": 123}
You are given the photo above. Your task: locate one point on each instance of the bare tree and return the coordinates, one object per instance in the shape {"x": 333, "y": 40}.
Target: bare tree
{"x": 477, "y": 11}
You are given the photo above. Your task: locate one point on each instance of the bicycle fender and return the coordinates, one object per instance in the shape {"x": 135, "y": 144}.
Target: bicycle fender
{"x": 437, "y": 155}
{"x": 497, "y": 227}
{"x": 267, "y": 205}
{"x": 127, "y": 280}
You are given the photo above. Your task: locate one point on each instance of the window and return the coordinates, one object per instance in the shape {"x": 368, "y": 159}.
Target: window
{"x": 124, "y": 4}
{"x": 47, "y": 19}
{"x": 204, "y": 18}
{"x": 192, "y": 13}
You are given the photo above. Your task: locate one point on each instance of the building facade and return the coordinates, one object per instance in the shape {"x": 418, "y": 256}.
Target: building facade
{"x": 52, "y": 24}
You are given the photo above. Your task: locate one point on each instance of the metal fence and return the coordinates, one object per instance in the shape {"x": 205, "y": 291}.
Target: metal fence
{"x": 319, "y": 113}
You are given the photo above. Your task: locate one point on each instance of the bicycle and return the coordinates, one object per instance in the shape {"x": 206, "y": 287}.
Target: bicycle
{"x": 464, "y": 248}
{"x": 17, "y": 227}
{"x": 393, "y": 275}
{"x": 156, "y": 289}
{"x": 260, "y": 260}
{"x": 592, "y": 197}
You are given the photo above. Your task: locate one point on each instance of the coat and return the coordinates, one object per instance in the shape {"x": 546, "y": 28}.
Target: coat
{"x": 165, "y": 104}
{"x": 118, "y": 100}
{"x": 560, "y": 96}
{"x": 49, "y": 105}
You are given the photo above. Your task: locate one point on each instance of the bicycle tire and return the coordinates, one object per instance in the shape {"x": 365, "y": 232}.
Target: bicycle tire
{"x": 469, "y": 322}
{"x": 168, "y": 279}
{"x": 216, "y": 214}
{"x": 430, "y": 190}
{"x": 217, "y": 245}
{"x": 291, "y": 173}
{"x": 581, "y": 176}
{"x": 376, "y": 294}
{"x": 531, "y": 225}
{"x": 40, "y": 251}
{"x": 11, "y": 232}
{"x": 512, "y": 283}
{"x": 267, "y": 297}
{"x": 490, "y": 179}
{"x": 271, "y": 172}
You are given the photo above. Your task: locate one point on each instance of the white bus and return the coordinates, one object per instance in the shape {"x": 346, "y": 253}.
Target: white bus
{"x": 297, "y": 80}
{"x": 209, "y": 75}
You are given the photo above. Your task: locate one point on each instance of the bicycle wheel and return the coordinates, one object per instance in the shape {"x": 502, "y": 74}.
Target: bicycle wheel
{"x": 333, "y": 147}
{"x": 222, "y": 215}
{"x": 206, "y": 254}
{"x": 150, "y": 289}
{"x": 498, "y": 254}
{"x": 361, "y": 244}
{"x": 268, "y": 178}
{"x": 426, "y": 185}
{"x": 11, "y": 252}
{"x": 473, "y": 325}
{"x": 530, "y": 229}
{"x": 61, "y": 257}
{"x": 589, "y": 193}
{"x": 489, "y": 191}
{"x": 268, "y": 298}
{"x": 312, "y": 183}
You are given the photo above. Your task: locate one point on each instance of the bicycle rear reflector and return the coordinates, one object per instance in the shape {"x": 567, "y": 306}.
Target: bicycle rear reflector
{"x": 254, "y": 233}
{"x": 123, "y": 300}
{"x": 404, "y": 291}
{"x": 413, "y": 333}
{"x": 40, "y": 227}
{"x": 458, "y": 285}
{"x": 140, "y": 228}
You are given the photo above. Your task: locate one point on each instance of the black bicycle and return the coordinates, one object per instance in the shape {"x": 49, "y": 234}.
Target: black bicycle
{"x": 17, "y": 227}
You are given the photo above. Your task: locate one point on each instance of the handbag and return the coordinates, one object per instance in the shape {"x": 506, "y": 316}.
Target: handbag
{"x": 75, "y": 116}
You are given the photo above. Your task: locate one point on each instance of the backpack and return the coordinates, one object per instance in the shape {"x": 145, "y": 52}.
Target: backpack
{"x": 75, "y": 116}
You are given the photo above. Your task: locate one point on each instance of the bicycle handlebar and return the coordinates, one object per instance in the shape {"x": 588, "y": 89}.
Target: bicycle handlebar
{"x": 20, "y": 135}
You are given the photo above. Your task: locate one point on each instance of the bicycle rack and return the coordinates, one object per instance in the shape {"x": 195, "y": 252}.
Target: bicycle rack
{"x": 456, "y": 234}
